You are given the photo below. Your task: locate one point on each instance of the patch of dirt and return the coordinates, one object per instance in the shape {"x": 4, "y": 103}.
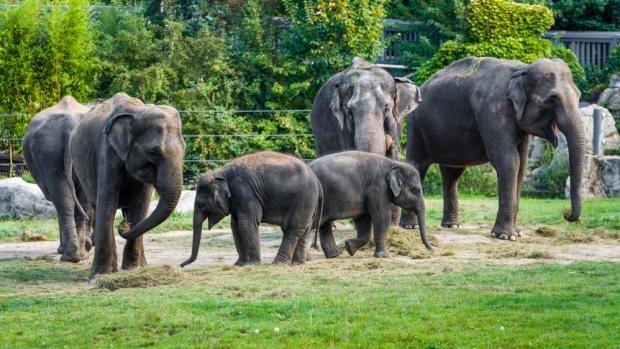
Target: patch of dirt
{"x": 452, "y": 247}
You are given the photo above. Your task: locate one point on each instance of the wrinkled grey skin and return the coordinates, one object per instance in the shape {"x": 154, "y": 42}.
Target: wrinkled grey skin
{"x": 362, "y": 108}
{"x": 480, "y": 110}
{"x": 46, "y": 150}
{"x": 264, "y": 187}
{"x": 122, "y": 149}
{"x": 364, "y": 186}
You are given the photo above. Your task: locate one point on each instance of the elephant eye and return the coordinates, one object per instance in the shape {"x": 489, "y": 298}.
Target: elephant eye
{"x": 550, "y": 100}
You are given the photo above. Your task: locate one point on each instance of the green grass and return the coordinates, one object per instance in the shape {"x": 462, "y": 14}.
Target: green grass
{"x": 341, "y": 304}
{"x": 602, "y": 213}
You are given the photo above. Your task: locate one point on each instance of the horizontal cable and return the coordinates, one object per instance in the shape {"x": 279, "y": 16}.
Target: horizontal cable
{"x": 234, "y": 135}
{"x": 204, "y": 111}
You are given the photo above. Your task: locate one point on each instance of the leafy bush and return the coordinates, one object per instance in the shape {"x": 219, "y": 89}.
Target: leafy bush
{"x": 476, "y": 180}
{"x": 44, "y": 55}
{"x": 502, "y": 29}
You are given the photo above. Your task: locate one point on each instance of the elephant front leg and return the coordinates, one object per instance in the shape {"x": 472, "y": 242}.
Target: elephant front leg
{"x": 363, "y": 226}
{"x": 133, "y": 252}
{"x": 450, "y": 177}
{"x": 328, "y": 243}
{"x": 507, "y": 168}
{"x": 523, "y": 157}
{"x": 105, "y": 259}
{"x": 380, "y": 225}
{"x": 248, "y": 232}
{"x": 243, "y": 256}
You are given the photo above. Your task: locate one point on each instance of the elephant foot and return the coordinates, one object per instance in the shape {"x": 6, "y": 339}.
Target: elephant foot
{"x": 88, "y": 244}
{"x": 298, "y": 261}
{"x": 382, "y": 254}
{"x": 332, "y": 252}
{"x": 240, "y": 262}
{"x": 281, "y": 260}
{"x": 450, "y": 225}
{"x": 134, "y": 263}
{"x": 408, "y": 223}
{"x": 352, "y": 245}
{"x": 504, "y": 235}
{"x": 74, "y": 256}
{"x": 102, "y": 268}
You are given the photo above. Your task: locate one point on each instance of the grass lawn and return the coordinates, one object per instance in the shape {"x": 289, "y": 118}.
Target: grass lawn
{"x": 360, "y": 302}
{"x": 604, "y": 213}
{"x": 351, "y": 304}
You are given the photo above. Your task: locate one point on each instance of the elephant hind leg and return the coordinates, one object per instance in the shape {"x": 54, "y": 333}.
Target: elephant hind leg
{"x": 328, "y": 243}
{"x": 363, "y": 226}
{"x": 450, "y": 178}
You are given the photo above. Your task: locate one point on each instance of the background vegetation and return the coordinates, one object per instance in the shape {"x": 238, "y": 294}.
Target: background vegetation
{"x": 258, "y": 55}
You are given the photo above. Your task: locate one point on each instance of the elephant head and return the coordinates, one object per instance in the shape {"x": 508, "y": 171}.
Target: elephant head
{"x": 546, "y": 99}
{"x": 406, "y": 189}
{"x": 150, "y": 143}
{"x": 212, "y": 203}
{"x": 370, "y": 106}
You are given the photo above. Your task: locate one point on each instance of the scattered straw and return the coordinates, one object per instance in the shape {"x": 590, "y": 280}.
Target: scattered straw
{"x": 546, "y": 232}
{"x": 27, "y": 236}
{"x": 140, "y": 278}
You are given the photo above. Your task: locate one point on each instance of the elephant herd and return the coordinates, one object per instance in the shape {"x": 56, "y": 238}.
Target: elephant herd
{"x": 92, "y": 161}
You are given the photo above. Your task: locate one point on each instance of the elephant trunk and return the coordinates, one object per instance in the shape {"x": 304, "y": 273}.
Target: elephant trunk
{"x": 169, "y": 186}
{"x": 370, "y": 137}
{"x": 571, "y": 126}
{"x": 420, "y": 212}
{"x": 199, "y": 218}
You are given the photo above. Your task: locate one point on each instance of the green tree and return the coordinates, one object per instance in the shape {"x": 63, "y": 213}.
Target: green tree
{"x": 46, "y": 52}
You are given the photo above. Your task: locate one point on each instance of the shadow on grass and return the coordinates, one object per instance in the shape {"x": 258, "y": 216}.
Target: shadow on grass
{"x": 25, "y": 271}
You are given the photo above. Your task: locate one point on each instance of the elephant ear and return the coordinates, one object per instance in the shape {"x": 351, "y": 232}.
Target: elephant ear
{"x": 335, "y": 105}
{"x": 408, "y": 97}
{"x": 222, "y": 194}
{"x": 118, "y": 131}
{"x": 395, "y": 180}
{"x": 516, "y": 92}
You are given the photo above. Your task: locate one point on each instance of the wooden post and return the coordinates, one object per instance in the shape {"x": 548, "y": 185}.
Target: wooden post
{"x": 597, "y": 140}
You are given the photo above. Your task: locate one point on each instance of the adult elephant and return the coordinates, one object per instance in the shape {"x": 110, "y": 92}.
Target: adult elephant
{"x": 46, "y": 150}
{"x": 121, "y": 149}
{"x": 362, "y": 108}
{"x": 480, "y": 110}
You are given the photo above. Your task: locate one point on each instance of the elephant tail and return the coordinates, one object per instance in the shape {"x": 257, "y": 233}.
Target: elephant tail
{"x": 68, "y": 174}
{"x": 319, "y": 215}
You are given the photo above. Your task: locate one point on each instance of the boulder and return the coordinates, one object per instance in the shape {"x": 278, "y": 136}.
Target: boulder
{"x": 611, "y": 138}
{"x": 610, "y": 97}
{"x": 601, "y": 177}
{"x": 185, "y": 204}
{"x": 559, "y": 156}
{"x": 22, "y": 200}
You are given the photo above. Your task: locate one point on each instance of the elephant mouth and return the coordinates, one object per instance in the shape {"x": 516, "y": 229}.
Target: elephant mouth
{"x": 552, "y": 134}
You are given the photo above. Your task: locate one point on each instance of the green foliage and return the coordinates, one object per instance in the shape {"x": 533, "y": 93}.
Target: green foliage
{"x": 44, "y": 55}
{"x": 476, "y": 180}
{"x": 490, "y": 20}
{"x": 502, "y": 29}
{"x": 599, "y": 15}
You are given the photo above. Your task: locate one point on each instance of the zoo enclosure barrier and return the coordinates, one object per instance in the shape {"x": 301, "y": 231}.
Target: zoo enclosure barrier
{"x": 590, "y": 47}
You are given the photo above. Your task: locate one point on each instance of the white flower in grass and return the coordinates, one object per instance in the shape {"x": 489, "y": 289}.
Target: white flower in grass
{"x": 501, "y": 328}
{"x": 276, "y": 329}
{"x": 256, "y": 331}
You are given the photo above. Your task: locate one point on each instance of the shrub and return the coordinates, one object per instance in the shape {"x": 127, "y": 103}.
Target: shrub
{"x": 44, "y": 55}
{"x": 502, "y": 29}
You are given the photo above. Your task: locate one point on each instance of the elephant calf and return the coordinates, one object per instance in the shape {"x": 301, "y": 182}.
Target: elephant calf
{"x": 363, "y": 186}
{"x": 262, "y": 187}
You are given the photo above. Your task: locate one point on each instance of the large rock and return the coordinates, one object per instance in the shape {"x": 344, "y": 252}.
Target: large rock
{"x": 185, "y": 204}
{"x": 559, "y": 156}
{"x": 611, "y": 138}
{"x": 601, "y": 177}
{"x": 22, "y": 200}
{"x": 610, "y": 97}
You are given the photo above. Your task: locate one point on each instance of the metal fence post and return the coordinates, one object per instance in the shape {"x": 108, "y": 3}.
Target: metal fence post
{"x": 597, "y": 139}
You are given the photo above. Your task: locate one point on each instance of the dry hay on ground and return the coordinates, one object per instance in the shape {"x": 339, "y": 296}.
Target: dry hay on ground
{"x": 140, "y": 278}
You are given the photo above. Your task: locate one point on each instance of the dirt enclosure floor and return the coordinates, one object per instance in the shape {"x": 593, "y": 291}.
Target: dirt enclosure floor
{"x": 470, "y": 244}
